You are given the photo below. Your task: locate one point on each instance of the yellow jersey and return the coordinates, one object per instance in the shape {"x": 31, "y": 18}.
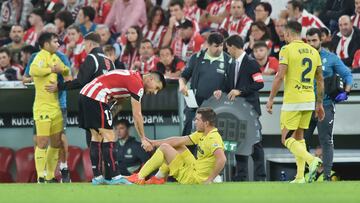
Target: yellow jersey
{"x": 207, "y": 144}
{"x": 45, "y": 103}
{"x": 301, "y": 60}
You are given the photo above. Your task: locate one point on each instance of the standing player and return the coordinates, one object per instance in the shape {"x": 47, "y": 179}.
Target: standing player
{"x": 299, "y": 65}
{"x": 95, "y": 114}
{"x": 46, "y": 110}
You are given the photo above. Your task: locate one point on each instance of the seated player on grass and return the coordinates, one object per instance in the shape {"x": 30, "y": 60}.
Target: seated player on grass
{"x": 173, "y": 157}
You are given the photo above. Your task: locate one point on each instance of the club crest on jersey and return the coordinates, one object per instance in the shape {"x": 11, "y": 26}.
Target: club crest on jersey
{"x": 141, "y": 92}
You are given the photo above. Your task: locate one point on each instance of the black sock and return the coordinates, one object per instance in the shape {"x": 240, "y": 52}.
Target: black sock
{"x": 110, "y": 159}
{"x": 95, "y": 156}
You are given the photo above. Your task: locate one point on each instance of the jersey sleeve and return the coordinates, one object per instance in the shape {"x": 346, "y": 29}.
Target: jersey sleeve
{"x": 318, "y": 59}
{"x": 136, "y": 89}
{"x": 39, "y": 67}
{"x": 214, "y": 143}
{"x": 283, "y": 56}
{"x": 195, "y": 137}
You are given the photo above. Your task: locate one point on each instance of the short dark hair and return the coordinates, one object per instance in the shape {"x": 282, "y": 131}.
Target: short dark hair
{"x": 66, "y": 17}
{"x": 235, "y": 40}
{"x": 147, "y": 41}
{"x": 160, "y": 76}
{"x": 29, "y": 49}
{"x": 39, "y": 12}
{"x": 259, "y": 44}
{"x": 93, "y": 36}
{"x": 89, "y": 12}
{"x": 325, "y": 31}
{"x": 74, "y": 27}
{"x": 186, "y": 24}
{"x": 5, "y": 50}
{"x": 294, "y": 27}
{"x": 168, "y": 48}
{"x": 215, "y": 38}
{"x": 46, "y": 37}
{"x": 314, "y": 31}
{"x": 207, "y": 115}
{"x": 176, "y": 2}
{"x": 267, "y": 6}
{"x": 124, "y": 122}
{"x": 296, "y": 4}
{"x": 108, "y": 48}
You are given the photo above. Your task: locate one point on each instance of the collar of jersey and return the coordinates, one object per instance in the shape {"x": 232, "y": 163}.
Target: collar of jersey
{"x": 212, "y": 59}
{"x": 45, "y": 52}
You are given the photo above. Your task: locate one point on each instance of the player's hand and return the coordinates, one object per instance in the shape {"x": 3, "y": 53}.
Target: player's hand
{"x": 233, "y": 93}
{"x": 26, "y": 80}
{"x": 269, "y": 106}
{"x": 319, "y": 112}
{"x": 146, "y": 145}
{"x": 57, "y": 69}
{"x": 172, "y": 22}
{"x": 217, "y": 94}
{"x": 52, "y": 87}
{"x": 341, "y": 97}
{"x": 183, "y": 89}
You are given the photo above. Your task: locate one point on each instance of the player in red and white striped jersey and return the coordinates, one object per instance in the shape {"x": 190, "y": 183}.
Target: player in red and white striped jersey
{"x": 95, "y": 113}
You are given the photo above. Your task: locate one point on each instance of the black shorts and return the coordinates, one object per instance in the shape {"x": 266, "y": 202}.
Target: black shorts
{"x": 94, "y": 114}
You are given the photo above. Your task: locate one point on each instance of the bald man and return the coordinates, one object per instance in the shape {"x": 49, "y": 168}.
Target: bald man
{"x": 346, "y": 41}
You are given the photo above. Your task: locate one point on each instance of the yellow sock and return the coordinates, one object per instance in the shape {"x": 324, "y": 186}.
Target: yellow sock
{"x": 298, "y": 150}
{"x": 300, "y": 163}
{"x": 40, "y": 161}
{"x": 152, "y": 164}
{"x": 52, "y": 158}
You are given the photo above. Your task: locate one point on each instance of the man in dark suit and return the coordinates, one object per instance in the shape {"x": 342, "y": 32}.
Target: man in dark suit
{"x": 346, "y": 41}
{"x": 245, "y": 81}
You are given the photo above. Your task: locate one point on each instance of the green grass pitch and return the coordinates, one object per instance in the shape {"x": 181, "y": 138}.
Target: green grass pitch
{"x": 265, "y": 192}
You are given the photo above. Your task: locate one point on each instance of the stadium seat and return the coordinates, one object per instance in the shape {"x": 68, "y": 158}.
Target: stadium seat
{"x": 25, "y": 165}
{"x": 87, "y": 165}
{"x": 73, "y": 161}
{"x": 6, "y": 157}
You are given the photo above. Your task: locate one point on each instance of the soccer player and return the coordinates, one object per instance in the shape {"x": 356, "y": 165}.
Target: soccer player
{"x": 299, "y": 65}
{"x": 46, "y": 109}
{"x": 173, "y": 157}
{"x": 95, "y": 114}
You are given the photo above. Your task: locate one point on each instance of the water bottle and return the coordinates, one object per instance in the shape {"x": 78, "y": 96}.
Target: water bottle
{"x": 283, "y": 176}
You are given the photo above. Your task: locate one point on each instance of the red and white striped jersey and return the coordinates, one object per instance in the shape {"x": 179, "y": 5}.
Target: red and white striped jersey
{"x": 237, "y": 26}
{"x": 193, "y": 12}
{"x": 308, "y": 20}
{"x": 155, "y": 36}
{"x": 31, "y": 36}
{"x": 355, "y": 19}
{"x": 216, "y": 8}
{"x": 116, "y": 83}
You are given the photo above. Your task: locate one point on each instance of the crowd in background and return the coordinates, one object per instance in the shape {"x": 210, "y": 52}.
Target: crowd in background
{"x": 161, "y": 35}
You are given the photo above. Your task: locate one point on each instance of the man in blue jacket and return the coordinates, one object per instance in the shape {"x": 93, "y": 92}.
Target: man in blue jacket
{"x": 332, "y": 64}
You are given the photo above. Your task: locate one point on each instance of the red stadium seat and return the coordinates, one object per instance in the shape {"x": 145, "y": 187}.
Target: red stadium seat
{"x": 87, "y": 165}
{"x": 73, "y": 161}
{"x": 25, "y": 165}
{"x": 6, "y": 157}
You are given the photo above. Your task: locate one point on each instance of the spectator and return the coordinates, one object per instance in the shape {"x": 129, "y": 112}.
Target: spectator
{"x": 188, "y": 42}
{"x": 262, "y": 13}
{"x": 132, "y": 13}
{"x": 132, "y": 44}
{"x": 36, "y": 21}
{"x": 110, "y": 52}
{"x": 215, "y": 14}
{"x": 356, "y": 62}
{"x": 355, "y": 19}
{"x": 250, "y": 6}
{"x": 15, "y": 12}
{"x": 16, "y": 36}
{"x": 50, "y": 27}
{"x": 102, "y": 9}
{"x": 63, "y": 20}
{"x": 74, "y": 48}
{"x": 170, "y": 65}
{"x": 258, "y": 32}
{"x": 86, "y": 20}
{"x": 131, "y": 156}
{"x": 177, "y": 17}
{"x": 26, "y": 54}
{"x": 50, "y": 8}
{"x": 147, "y": 60}
{"x": 325, "y": 35}
{"x": 106, "y": 38}
{"x": 297, "y": 13}
{"x": 8, "y": 71}
{"x": 73, "y": 6}
{"x": 338, "y": 8}
{"x": 346, "y": 41}
{"x": 268, "y": 64}
{"x": 155, "y": 29}
{"x": 279, "y": 28}
{"x": 238, "y": 22}
{"x": 191, "y": 10}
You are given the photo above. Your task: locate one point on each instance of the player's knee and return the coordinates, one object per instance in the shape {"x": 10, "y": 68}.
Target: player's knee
{"x": 42, "y": 142}
{"x": 164, "y": 146}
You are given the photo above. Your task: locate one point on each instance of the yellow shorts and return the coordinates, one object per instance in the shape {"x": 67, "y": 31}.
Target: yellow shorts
{"x": 48, "y": 123}
{"x": 182, "y": 168}
{"x": 293, "y": 120}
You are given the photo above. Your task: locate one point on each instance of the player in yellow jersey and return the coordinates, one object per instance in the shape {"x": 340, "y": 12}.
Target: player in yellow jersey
{"x": 299, "y": 65}
{"x": 46, "y": 109}
{"x": 173, "y": 157}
